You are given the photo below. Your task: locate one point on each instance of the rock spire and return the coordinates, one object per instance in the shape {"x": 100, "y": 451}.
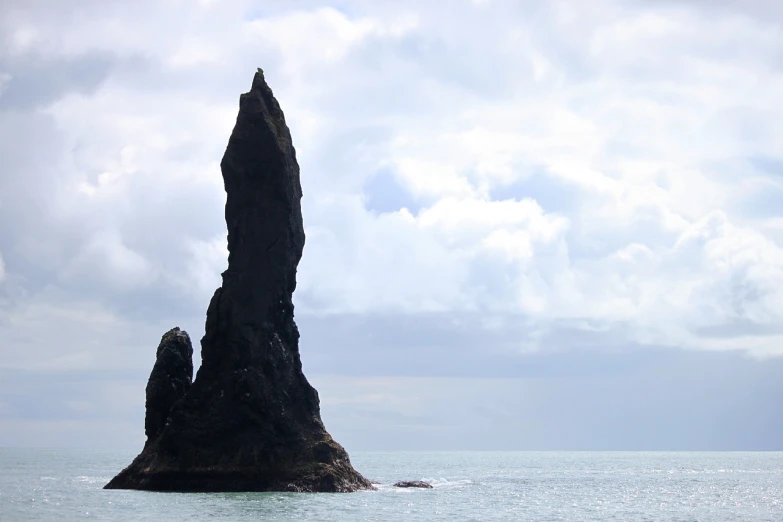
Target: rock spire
{"x": 250, "y": 421}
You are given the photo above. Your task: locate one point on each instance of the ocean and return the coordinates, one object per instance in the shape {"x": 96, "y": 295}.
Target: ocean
{"x": 64, "y": 485}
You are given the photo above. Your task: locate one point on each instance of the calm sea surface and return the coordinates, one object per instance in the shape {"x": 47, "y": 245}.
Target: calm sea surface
{"x": 66, "y": 485}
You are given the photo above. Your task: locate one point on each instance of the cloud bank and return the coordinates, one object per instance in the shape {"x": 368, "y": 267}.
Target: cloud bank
{"x": 505, "y": 181}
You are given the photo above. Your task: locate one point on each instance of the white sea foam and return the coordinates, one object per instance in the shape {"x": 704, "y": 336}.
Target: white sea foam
{"x": 447, "y": 483}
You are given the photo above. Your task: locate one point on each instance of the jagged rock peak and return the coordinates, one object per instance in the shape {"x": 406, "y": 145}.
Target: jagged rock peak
{"x": 250, "y": 421}
{"x": 169, "y": 381}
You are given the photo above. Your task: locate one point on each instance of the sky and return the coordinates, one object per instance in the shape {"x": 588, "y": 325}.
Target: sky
{"x": 530, "y": 225}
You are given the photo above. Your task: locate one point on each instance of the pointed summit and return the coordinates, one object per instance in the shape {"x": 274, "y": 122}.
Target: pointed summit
{"x": 250, "y": 421}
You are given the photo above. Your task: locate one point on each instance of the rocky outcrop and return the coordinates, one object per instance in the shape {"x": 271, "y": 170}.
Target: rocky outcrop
{"x": 413, "y": 484}
{"x": 169, "y": 381}
{"x": 250, "y": 421}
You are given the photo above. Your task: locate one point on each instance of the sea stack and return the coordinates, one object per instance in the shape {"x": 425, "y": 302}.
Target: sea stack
{"x": 250, "y": 421}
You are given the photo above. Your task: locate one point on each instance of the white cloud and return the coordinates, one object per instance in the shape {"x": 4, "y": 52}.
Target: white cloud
{"x": 575, "y": 163}
{"x": 4, "y": 79}
{"x": 106, "y": 256}
{"x": 565, "y": 183}
{"x": 48, "y": 333}
{"x": 194, "y": 53}
{"x": 329, "y": 36}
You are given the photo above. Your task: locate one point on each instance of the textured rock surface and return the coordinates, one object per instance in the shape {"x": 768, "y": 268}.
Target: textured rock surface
{"x": 250, "y": 421}
{"x": 413, "y": 484}
{"x": 169, "y": 381}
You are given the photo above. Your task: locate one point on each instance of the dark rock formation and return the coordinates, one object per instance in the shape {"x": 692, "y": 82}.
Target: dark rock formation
{"x": 169, "y": 381}
{"x": 413, "y": 484}
{"x": 250, "y": 421}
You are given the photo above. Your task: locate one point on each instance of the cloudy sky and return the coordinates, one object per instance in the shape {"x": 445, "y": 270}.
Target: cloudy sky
{"x": 530, "y": 225}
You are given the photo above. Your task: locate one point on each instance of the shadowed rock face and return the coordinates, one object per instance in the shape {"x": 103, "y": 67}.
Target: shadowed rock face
{"x": 250, "y": 421}
{"x": 169, "y": 381}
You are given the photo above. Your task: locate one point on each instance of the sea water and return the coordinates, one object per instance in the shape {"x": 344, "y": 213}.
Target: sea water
{"x": 65, "y": 485}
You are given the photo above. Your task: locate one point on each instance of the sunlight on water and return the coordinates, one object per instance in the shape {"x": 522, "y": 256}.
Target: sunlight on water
{"x": 49, "y": 485}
